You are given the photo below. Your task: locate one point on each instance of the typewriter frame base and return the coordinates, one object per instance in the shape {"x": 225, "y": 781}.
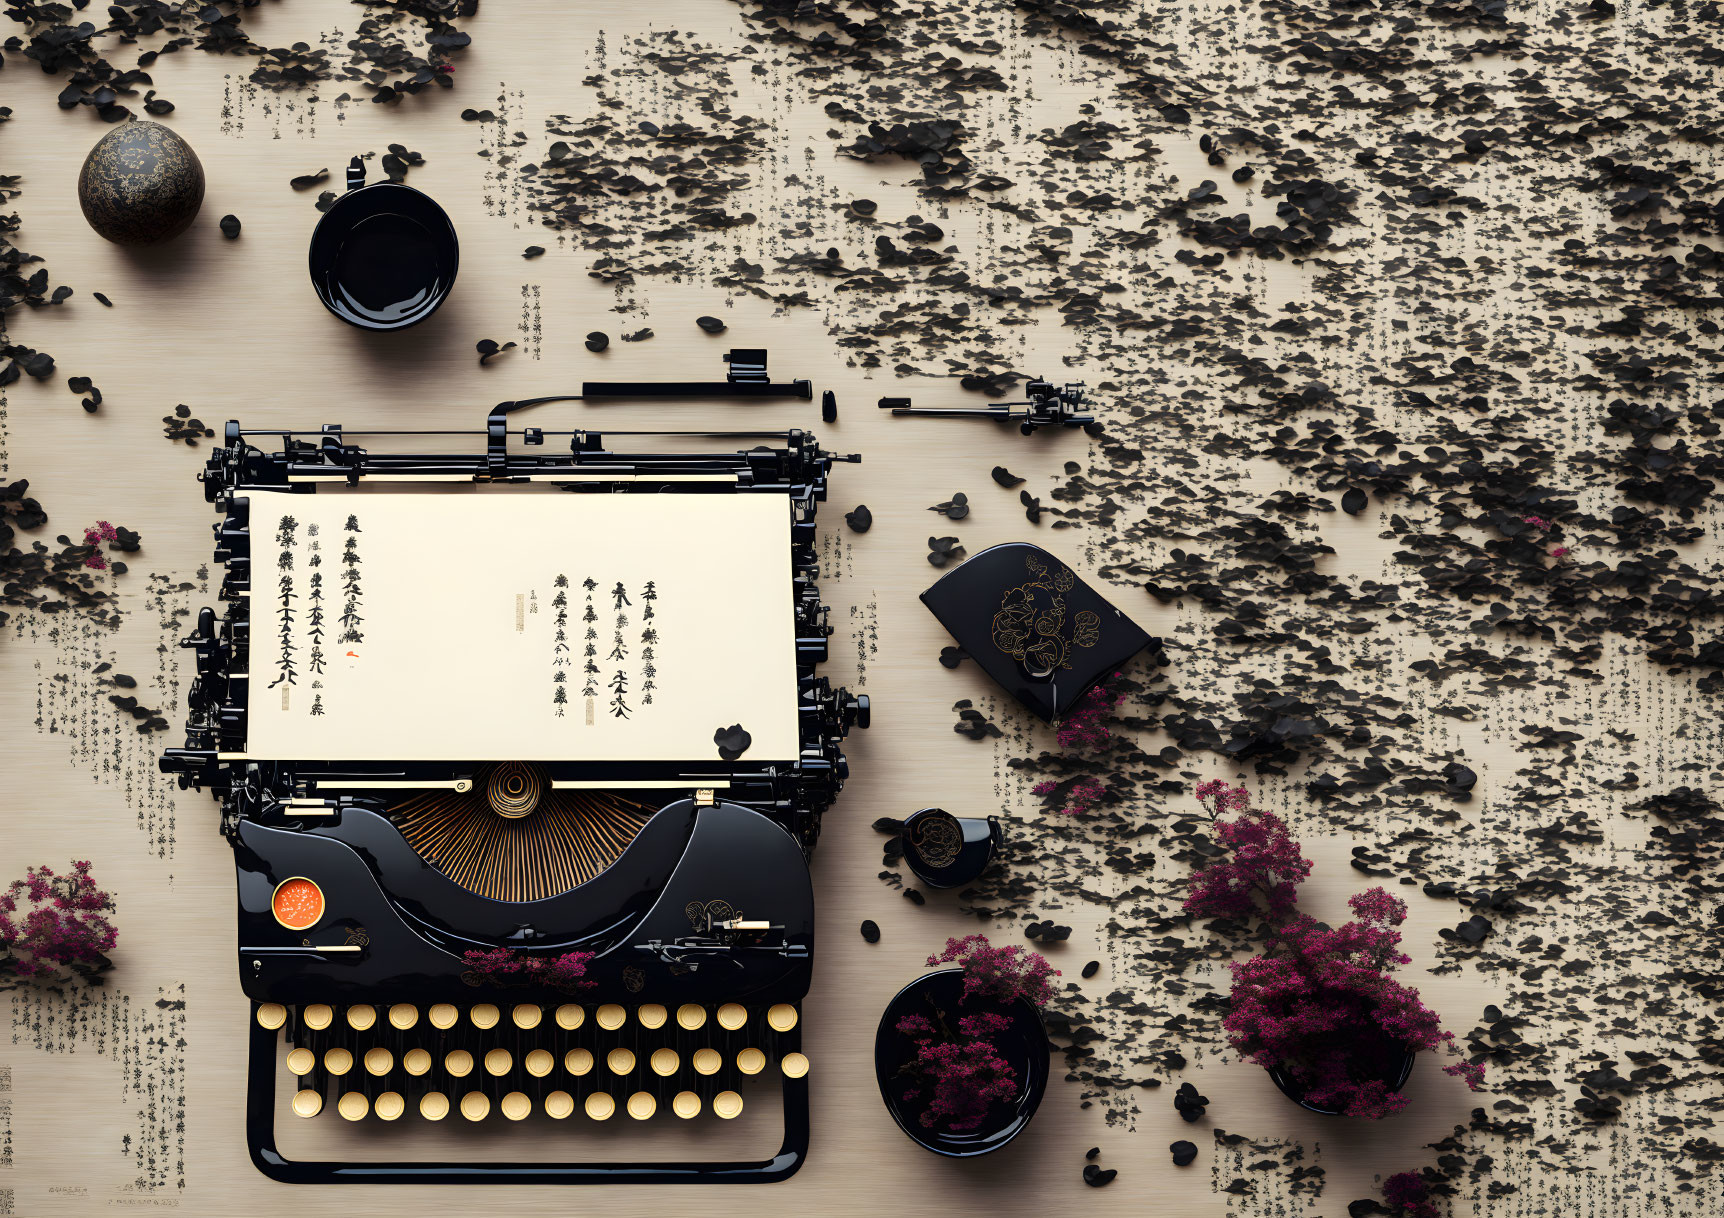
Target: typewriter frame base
{"x": 260, "y": 1141}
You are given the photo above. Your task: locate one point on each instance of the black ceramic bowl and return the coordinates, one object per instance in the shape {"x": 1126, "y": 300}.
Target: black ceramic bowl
{"x": 1392, "y": 1064}
{"x": 1024, "y": 1044}
{"x": 947, "y": 851}
{"x": 384, "y": 256}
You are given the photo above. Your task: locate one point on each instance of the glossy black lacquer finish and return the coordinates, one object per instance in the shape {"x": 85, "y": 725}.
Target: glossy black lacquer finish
{"x": 1024, "y": 1045}
{"x": 947, "y": 851}
{"x": 709, "y": 903}
{"x": 1392, "y": 1064}
{"x": 1034, "y": 626}
{"x": 384, "y": 256}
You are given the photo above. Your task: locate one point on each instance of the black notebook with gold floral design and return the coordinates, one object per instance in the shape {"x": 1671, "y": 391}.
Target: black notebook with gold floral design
{"x": 1034, "y": 626}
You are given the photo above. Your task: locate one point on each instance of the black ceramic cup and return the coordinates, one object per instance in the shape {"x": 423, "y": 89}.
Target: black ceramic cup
{"x": 383, "y": 257}
{"x": 947, "y": 851}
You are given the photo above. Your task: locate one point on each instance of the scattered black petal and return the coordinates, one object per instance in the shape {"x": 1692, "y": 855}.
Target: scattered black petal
{"x": 860, "y": 520}
{"x": 230, "y": 226}
{"x": 951, "y": 657}
{"x": 1006, "y": 477}
{"x": 955, "y": 508}
{"x": 306, "y": 181}
{"x": 532, "y": 251}
{"x": 103, "y": 300}
{"x": 870, "y": 930}
{"x": 1098, "y": 1177}
{"x": 639, "y": 336}
{"x": 488, "y": 349}
{"x": 1354, "y": 501}
{"x": 326, "y": 200}
{"x": 1032, "y": 507}
{"x": 942, "y": 550}
{"x": 914, "y": 897}
{"x": 598, "y": 340}
{"x": 732, "y": 741}
{"x": 1189, "y": 1104}
{"x": 710, "y": 324}
{"x": 1091, "y": 969}
{"x": 1092, "y": 1152}
{"x": 1184, "y": 1153}
{"x": 1047, "y": 932}
{"x": 973, "y": 723}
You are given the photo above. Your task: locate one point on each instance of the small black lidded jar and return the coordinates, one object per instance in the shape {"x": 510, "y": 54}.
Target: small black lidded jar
{"x": 384, "y": 256}
{"x": 947, "y": 851}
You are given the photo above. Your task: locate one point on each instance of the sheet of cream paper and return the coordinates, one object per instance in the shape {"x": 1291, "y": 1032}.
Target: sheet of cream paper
{"x": 451, "y": 650}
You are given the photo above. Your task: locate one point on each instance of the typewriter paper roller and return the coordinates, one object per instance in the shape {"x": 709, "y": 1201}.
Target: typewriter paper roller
{"x": 458, "y": 655}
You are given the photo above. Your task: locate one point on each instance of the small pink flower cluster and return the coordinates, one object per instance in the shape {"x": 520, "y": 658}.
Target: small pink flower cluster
{"x": 1318, "y": 1002}
{"x": 1003, "y": 974}
{"x": 1536, "y": 521}
{"x": 1319, "y": 997}
{"x": 63, "y": 927}
{"x": 505, "y": 966}
{"x": 1084, "y": 794}
{"x": 1086, "y": 727}
{"x": 1263, "y": 868}
{"x": 94, "y": 536}
{"x": 1408, "y": 1196}
{"x": 967, "y": 1075}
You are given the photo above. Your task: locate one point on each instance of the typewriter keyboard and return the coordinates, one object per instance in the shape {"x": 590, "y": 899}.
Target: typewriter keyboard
{"x": 486, "y": 1061}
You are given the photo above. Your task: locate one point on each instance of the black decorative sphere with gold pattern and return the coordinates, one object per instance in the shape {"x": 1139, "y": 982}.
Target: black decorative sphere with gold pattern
{"x": 141, "y": 184}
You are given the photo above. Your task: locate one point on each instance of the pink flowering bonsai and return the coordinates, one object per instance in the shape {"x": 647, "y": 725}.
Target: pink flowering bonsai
{"x": 52, "y": 927}
{"x": 504, "y": 966}
{"x": 1319, "y": 1003}
{"x": 958, "y": 1070}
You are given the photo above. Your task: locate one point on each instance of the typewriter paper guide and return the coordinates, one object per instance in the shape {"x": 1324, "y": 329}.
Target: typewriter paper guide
{"x": 425, "y": 627}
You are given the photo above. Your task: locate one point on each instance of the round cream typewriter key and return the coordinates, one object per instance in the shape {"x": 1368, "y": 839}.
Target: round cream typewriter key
{"x": 599, "y": 1106}
{"x": 307, "y": 1103}
{"x": 621, "y": 1061}
{"x": 652, "y": 1015}
{"x": 706, "y": 1061}
{"x": 498, "y": 1062}
{"x": 433, "y": 1105}
{"x": 317, "y": 1016}
{"x": 443, "y": 1016}
{"x": 338, "y": 1062}
{"x": 611, "y": 1016}
{"x": 578, "y": 1061}
{"x": 271, "y": 1015}
{"x": 686, "y": 1105}
{"x": 691, "y": 1017}
{"x": 459, "y": 1063}
{"x": 732, "y": 1016}
{"x": 389, "y": 1105}
{"x": 484, "y": 1016}
{"x": 379, "y": 1061}
{"x": 664, "y": 1062}
{"x": 751, "y": 1061}
{"x": 570, "y": 1016}
{"x": 360, "y": 1019}
{"x": 782, "y": 1016}
{"x": 301, "y": 1061}
{"x": 526, "y": 1016}
{"x": 794, "y": 1065}
{"x": 516, "y": 1106}
{"x": 558, "y": 1105}
{"x": 416, "y": 1062}
{"x": 474, "y": 1106}
{"x": 642, "y": 1105}
{"x": 539, "y": 1063}
{"x": 353, "y": 1106}
{"x": 727, "y": 1104}
{"x": 403, "y": 1015}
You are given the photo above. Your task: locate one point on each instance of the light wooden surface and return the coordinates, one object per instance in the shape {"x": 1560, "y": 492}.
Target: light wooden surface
{"x": 233, "y": 330}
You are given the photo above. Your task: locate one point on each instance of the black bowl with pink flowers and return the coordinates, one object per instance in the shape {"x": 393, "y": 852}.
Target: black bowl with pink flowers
{"x": 961, "y": 1071}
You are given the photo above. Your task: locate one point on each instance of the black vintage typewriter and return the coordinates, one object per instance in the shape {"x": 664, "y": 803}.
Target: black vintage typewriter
{"x": 521, "y": 758}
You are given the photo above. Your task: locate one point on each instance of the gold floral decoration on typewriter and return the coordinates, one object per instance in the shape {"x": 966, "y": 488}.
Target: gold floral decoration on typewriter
{"x": 1031, "y": 625}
